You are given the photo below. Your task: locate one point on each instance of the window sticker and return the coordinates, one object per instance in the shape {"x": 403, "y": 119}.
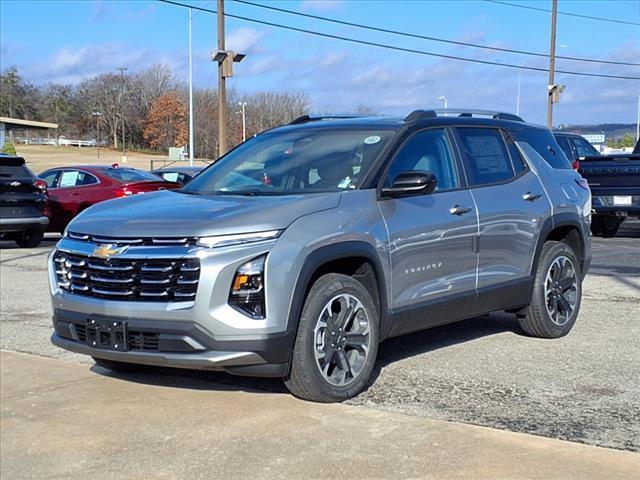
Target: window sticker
{"x": 372, "y": 140}
{"x": 69, "y": 179}
{"x": 170, "y": 176}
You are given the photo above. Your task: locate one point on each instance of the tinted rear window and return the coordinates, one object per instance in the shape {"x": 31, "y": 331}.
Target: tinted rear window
{"x": 127, "y": 175}
{"x": 545, "y": 144}
{"x": 14, "y": 171}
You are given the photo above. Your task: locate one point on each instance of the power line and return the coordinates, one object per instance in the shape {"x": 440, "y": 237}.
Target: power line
{"x": 425, "y": 37}
{"x": 568, "y": 14}
{"x": 396, "y": 48}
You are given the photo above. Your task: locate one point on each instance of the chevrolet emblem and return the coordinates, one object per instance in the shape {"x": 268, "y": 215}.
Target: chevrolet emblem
{"x": 108, "y": 251}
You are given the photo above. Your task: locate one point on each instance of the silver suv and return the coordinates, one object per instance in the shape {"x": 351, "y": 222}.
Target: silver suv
{"x": 303, "y": 248}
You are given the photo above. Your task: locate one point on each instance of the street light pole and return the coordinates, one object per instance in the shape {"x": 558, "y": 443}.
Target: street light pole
{"x": 124, "y": 147}
{"x": 243, "y": 105}
{"x": 443, "y": 99}
{"x": 518, "y": 95}
{"x": 638, "y": 121}
{"x": 222, "y": 93}
{"x": 190, "y": 89}
{"x": 552, "y": 64}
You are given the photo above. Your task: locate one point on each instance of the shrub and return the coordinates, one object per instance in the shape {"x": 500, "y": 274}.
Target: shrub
{"x": 9, "y": 148}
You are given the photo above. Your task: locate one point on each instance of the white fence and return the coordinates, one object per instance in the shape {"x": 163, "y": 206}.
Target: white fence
{"x": 64, "y": 142}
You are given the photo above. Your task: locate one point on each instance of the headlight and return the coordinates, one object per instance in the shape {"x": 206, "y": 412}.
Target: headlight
{"x": 237, "y": 239}
{"x": 247, "y": 289}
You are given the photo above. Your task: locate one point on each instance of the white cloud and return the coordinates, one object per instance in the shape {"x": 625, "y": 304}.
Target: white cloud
{"x": 246, "y": 40}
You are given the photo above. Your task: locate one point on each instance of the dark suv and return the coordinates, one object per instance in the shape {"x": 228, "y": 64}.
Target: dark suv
{"x": 23, "y": 203}
{"x": 299, "y": 251}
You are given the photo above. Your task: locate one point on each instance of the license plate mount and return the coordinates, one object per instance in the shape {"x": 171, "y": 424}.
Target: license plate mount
{"x": 107, "y": 334}
{"x": 622, "y": 200}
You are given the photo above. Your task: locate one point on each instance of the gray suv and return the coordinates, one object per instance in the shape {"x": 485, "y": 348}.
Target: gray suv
{"x": 303, "y": 248}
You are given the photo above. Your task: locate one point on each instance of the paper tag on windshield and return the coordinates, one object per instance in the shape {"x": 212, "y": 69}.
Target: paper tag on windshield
{"x": 372, "y": 140}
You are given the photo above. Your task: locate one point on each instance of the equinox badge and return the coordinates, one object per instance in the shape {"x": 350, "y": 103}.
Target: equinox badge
{"x": 108, "y": 251}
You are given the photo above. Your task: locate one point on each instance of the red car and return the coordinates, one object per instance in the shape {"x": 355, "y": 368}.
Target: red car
{"x": 72, "y": 189}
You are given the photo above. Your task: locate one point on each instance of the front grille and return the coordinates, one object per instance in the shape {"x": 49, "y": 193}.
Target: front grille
{"x": 135, "y": 241}
{"x": 143, "y": 280}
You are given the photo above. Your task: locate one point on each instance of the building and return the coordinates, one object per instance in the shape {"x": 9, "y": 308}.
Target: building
{"x": 12, "y": 124}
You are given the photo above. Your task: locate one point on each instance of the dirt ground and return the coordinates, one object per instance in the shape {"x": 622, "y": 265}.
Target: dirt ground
{"x": 42, "y": 157}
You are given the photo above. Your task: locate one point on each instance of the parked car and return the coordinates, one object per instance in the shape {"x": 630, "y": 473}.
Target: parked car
{"x": 299, "y": 251}
{"x": 73, "y": 189}
{"x": 615, "y": 185}
{"x": 181, "y": 175}
{"x": 575, "y": 147}
{"x": 23, "y": 203}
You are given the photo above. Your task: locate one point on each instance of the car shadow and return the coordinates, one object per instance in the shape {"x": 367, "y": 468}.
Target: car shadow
{"x": 417, "y": 343}
{"x": 390, "y": 351}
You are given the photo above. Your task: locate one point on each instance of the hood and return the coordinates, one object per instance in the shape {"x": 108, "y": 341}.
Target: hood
{"x": 173, "y": 214}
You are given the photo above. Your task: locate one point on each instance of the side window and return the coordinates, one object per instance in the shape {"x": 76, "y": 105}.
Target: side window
{"x": 566, "y": 147}
{"x": 428, "y": 151}
{"x": 50, "y": 178}
{"x": 584, "y": 148}
{"x": 485, "y": 155}
{"x": 543, "y": 142}
{"x": 86, "y": 179}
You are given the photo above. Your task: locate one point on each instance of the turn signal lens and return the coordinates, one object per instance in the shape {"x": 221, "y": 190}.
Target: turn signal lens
{"x": 247, "y": 289}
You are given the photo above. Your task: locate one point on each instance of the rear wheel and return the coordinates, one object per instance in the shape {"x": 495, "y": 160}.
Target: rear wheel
{"x": 605, "y": 225}
{"x": 119, "y": 367}
{"x": 337, "y": 341}
{"x": 30, "y": 239}
{"x": 557, "y": 293}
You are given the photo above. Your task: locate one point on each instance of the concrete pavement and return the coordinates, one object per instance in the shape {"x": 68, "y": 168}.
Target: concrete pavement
{"x": 62, "y": 420}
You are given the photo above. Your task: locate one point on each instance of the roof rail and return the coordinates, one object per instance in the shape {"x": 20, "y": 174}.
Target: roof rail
{"x": 460, "y": 112}
{"x": 315, "y": 118}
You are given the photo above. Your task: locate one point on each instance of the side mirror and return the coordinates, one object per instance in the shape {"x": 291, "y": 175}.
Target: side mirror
{"x": 411, "y": 183}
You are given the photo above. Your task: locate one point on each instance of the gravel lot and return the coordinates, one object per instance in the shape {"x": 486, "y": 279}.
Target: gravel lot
{"x": 484, "y": 371}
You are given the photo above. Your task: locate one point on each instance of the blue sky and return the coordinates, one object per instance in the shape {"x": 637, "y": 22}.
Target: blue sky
{"x": 66, "y": 41}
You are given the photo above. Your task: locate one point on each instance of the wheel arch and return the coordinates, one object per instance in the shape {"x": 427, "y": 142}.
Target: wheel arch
{"x": 354, "y": 258}
{"x": 565, "y": 228}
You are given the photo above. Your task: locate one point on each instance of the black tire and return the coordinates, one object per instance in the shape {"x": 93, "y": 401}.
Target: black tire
{"x": 30, "y": 239}
{"x": 605, "y": 226}
{"x": 537, "y": 321}
{"x": 120, "y": 367}
{"x": 305, "y": 379}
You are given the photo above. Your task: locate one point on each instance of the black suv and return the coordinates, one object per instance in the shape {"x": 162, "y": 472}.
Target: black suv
{"x": 23, "y": 203}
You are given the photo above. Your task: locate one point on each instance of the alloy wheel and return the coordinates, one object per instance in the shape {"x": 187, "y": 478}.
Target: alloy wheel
{"x": 341, "y": 339}
{"x": 561, "y": 290}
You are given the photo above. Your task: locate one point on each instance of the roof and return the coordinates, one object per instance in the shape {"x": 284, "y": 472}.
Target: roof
{"x": 14, "y": 123}
{"x": 421, "y": 118}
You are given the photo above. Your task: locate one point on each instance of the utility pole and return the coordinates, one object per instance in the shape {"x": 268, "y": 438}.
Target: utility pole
{"x": 552, "y": 65}
{"x": 638, "y": 121}
{"x": 243, "y": 105}
{"x": 98, "y": 115}
{"x": 124, "y": 147}
{"x": 222, "y": 93}
{"x": 190, "y": 90}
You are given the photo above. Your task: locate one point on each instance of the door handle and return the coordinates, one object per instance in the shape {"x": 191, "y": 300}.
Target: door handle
{"x": 531, "y": 197}
{"x": 458, "y": 210}
{"x": 74, "y": 194}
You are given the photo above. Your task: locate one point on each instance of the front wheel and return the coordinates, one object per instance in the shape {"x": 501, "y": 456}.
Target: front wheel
{"x": 557, "y": 293}
{"x": 30, "y": 239}
{"x": 337, "y": 342}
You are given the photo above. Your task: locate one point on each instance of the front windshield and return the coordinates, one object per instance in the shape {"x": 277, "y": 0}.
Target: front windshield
{"x": 303, "y": 161}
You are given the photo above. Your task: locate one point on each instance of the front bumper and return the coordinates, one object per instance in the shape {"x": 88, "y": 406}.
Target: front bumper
{"x": 179, "y": 345}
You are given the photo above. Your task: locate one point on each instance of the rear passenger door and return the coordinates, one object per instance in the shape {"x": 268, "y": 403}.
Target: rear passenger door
{"x": 511, "y": 204}
{"x": 431, "y": 236}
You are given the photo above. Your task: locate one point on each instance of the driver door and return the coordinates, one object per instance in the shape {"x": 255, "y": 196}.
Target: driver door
{"x": 431, "y": 236}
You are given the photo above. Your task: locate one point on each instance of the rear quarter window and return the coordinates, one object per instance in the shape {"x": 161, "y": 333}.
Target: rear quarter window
{"x": 543, "y": 142}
